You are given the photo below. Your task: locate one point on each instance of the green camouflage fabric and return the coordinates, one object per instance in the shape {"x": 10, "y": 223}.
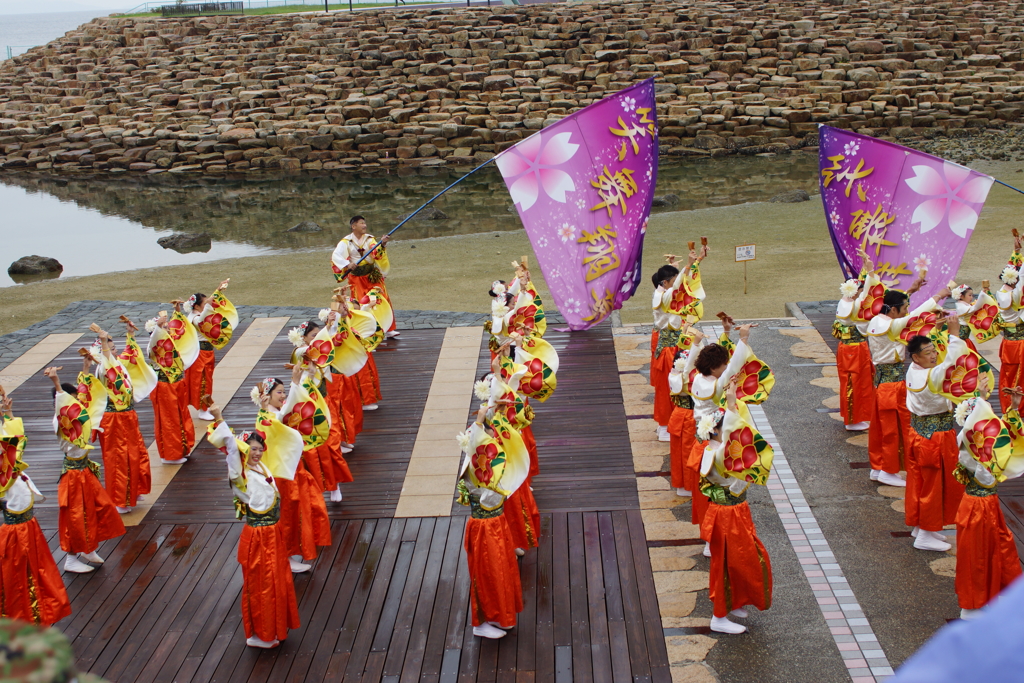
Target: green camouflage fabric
{"x": 33, "y": 654}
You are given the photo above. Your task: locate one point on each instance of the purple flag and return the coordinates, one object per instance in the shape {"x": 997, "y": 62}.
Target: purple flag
{"x": 583, "y": 188}
{"x": 910, "y": 210}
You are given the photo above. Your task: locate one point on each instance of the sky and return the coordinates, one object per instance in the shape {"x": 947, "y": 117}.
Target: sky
{"x": 47, "y": 6}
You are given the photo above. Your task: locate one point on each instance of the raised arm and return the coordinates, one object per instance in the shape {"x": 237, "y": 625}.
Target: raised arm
{"x": 739, "y": 358}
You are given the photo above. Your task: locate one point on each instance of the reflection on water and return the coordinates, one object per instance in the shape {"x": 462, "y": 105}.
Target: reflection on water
{"x": 255, "y": 213}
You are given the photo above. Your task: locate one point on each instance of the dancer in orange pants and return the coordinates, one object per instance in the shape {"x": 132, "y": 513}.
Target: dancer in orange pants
{"x": 31, "y": 588}
{"x": 87, "y": 516}
{"x": 269, "y": 608}
{"x": 986, "y": 554}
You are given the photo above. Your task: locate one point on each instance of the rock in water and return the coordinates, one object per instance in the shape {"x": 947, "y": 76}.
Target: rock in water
{"x": 305, "y": 226}
{"x": 35, "y": 265}
{"x": 791, "y": 197}
{"x": 427, "y": 214}
{"x": 667, "y": 200}
{"x": 186, "y": 242}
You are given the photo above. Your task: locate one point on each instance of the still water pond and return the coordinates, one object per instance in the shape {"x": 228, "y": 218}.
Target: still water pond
{"x": 104, "y": 224}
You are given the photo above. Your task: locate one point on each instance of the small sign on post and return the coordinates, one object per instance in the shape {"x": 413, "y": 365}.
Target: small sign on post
{"x": 744, "y": 253}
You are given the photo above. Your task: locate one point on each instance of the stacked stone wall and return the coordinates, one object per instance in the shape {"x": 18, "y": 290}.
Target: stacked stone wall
{"x": 429, "y": 87}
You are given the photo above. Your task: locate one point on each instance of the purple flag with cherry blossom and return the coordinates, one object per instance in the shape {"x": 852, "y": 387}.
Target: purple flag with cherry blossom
{"x": 911, "y": 211}
{"x": 583, "y": 188}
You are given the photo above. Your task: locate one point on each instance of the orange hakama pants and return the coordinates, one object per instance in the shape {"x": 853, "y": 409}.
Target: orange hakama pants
{"x": 683, "y": 431}
{"x": 699, "y": 502}
{"x": 199, "y": 378}
{"x": 269, "y": 607}
{"x": 172, "y": 421}
{"x": 327, "y": 466}
{"x": 304, "y": 522}
{"x": 31, "y": 588}
{"x": 531, "y": 446}
{"x": 986, "y": 555}
{"x": 1011, "y": 358}
{"x": 342, "y": 420}
{"x": 369, "y": 382}
{"x": 741, "y": 572}
{"x": 890, "y": 424}
{"x": 661, "y": 366}
{"x": 856, "y": 382}
{"x": 523, "y": 518}
{"x": 654, "y": 347}
{"x": 361, "y": 285}
{"x": 933, "y": 494}
{"x": 495, "y": 593}
{"x": 126, "y": 471}
{"x": 87, "y": 517}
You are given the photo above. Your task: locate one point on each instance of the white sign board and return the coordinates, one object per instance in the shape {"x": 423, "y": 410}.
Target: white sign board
{"x": 745, "y": 252}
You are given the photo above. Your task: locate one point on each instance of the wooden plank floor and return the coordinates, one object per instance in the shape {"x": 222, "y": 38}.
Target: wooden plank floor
{"x": 200, "y": 493}
{"x": 388, "y": 600}
{"x": 33, "y": 402}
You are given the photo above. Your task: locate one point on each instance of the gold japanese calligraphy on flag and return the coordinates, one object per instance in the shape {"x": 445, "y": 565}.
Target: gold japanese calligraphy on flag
{"x": 910, "y": 211}
{"x": 583, "y": 189}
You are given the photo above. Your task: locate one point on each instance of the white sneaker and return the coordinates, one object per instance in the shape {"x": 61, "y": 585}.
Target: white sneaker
{"x": 915, "y": 531}
{"x": 336, "y": 495}
{"x": 346, "y": 449}
{"x": 874, "y": 474}
{"x": 139, "y": 498}
{"x": 520, "y": 552}
{"x": 76, "y": 566}
{"x": 298, "y": 567}
{"x": 966, "y": 614}
{"x": 930, "y": 540}
{"x": 663, "y": 434}
{"x": 372, "y": 406}
{"x": 205, "y": 416}
{"x": 123, "y": 511}
{"x": 497, "y": 625}
{"x": 723, "y": 625}
{"x": 179, "y": 461}
{"x": 393, "y": 333}
{"x": 858, "y": 426}
{"x": 739, "y": 613}
{"x": 265, "y": 644}
{"x": 891, "y": 479}
{"x": 682, "y": 492}
{"x": 91, "y": 557}
{"x": 488, "y": 631}
{"x": 707, "y": 550}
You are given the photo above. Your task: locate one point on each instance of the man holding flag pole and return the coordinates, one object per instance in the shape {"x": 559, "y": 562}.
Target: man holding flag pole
{"x": 363, "y": 262}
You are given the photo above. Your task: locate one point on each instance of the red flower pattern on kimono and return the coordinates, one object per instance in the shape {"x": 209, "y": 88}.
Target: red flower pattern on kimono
{"x": 301, "y": 417}
{"x": 749, "y": 376}
{"x": 872, "y": 304}
{"x": 535, "y": 372}
{"x": 962, "y": 378}
{"x": 482, "y": 462}
{"x": 985, "y": 316}
{"x": 982, "y": 438}
{"x": 163, "y": 349}
{"x": 176, "y": 328}
{"x": 740, "y": 452}
{"x": 70, "y": 425}
{"x": 210, "y": 326}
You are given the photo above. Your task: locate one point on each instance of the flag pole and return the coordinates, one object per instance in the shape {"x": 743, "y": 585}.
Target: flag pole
{"x": 1009, "y": 186}
{"x": 409, "y": 217}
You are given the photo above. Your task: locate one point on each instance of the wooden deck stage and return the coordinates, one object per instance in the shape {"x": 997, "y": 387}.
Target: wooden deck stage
{"x": 1011, "y": 493}
{"x": 388, "y": 601}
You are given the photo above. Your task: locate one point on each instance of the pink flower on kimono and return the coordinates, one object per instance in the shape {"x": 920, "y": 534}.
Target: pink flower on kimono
{"x": 951, "y": 195}
{"x": 530, "y": 166}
